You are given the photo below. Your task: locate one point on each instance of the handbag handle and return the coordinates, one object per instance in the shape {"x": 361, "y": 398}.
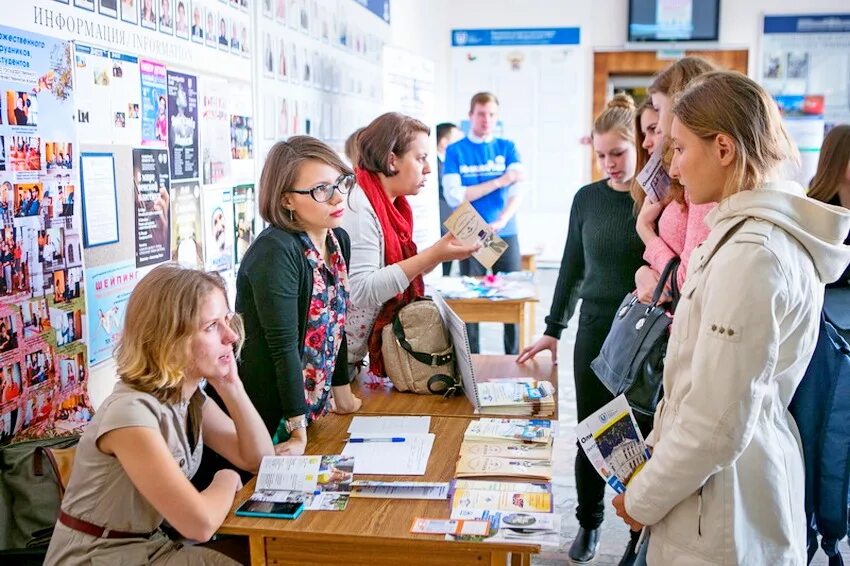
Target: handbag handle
{"x": 670, "y": 273}
{"x": 438, "y": 359}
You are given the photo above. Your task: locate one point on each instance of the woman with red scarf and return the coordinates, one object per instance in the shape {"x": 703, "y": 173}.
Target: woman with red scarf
{"x": 386, "y": 269}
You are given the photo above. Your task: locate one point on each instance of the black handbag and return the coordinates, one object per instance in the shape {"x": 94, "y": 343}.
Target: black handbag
{"x": 631, "y": 361}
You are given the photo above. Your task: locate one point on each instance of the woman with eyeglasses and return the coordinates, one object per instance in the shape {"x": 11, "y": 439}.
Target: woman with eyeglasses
{"x": 292, "y": 292}
{"x": 386, "y": 267}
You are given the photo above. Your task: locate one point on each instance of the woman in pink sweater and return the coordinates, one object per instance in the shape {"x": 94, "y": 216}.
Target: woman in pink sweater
{"x": 673, "y": 227}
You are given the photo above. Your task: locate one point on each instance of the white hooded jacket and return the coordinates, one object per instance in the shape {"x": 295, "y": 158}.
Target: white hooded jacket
{"x": 725, "y": 484}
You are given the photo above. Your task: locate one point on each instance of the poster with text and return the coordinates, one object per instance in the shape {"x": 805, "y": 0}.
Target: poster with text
{"x": 218, "y": 228}
{"x": 42, "y": 303}
{"x": 152, "y": 185}
{"x": 108, "y": 288}
{"x": 243, "y": 217}
{"x": 215, "y": 137}
{"x": 187, "y": 232}
{"x": 154, "y": 104}
{"x": 183, "y": 125}
{"x": 108, "y": 96}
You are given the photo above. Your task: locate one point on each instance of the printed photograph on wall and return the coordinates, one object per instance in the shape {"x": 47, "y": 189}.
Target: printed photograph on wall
{"x": 129, "y": 11}
{"x": 148, "y": 14}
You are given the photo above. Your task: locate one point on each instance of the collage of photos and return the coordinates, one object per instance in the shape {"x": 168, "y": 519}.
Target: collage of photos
{"x": 42, "y": 283}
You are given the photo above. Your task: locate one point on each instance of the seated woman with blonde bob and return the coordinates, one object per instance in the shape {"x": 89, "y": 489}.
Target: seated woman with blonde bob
{"x": 134, "y": 461}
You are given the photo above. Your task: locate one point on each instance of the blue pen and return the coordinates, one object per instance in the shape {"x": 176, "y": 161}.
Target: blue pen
{"x": 361, "y": 440}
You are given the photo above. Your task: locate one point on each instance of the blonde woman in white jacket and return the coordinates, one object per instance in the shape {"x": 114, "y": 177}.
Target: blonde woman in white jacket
{"x": 725, "y": 483}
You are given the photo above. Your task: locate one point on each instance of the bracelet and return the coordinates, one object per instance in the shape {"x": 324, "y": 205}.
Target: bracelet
{"x": 293, "y": 425}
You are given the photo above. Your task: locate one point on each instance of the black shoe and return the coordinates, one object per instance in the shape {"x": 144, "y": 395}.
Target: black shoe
{"x": 584, "y": 546}
{"x": 630, "y": 553}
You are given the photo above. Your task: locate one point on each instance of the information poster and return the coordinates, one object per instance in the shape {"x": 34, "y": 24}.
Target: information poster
{"x": 108, "y": 96}
{"x": 154, "y": 104}
{"x": 108, "y": 288}
{"x": 43, "y": 361}
{"x": 187, "y": 233}
{"x": 183, "y": 125}
{"x": 218, "y": 228}
{"x": 152, "y": 185}
{"x": 215, "y": 122}
{"x": 243, "y": 216}
{"x": 100, "y": 201}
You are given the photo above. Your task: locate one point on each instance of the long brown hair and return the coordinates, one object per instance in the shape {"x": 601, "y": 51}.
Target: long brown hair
{"x": 730, "y": 103}
{"x": 832, "y": 164}
{"x": 637, "y": 192}
{"x": 670, "y": 82}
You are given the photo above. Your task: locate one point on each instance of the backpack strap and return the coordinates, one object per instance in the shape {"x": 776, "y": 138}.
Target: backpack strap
{"x": 433, "y": 360}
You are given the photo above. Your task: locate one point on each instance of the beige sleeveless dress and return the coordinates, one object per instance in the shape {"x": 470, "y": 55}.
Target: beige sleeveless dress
{"x": 101, "y": 493}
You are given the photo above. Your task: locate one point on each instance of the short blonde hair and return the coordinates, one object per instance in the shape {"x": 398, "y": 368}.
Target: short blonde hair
{"x": 729, "y": 103}
{"x": 280, "y": 171}
{"x": 162, "y": 317}
{"x": 482, "y": 98}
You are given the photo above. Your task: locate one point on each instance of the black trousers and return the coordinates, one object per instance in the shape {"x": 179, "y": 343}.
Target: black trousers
{"x": 591, "y": 396}
{"x": 510, "y": 261}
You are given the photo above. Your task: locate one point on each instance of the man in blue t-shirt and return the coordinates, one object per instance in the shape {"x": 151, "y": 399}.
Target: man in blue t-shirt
{"x": 486, "y": 170}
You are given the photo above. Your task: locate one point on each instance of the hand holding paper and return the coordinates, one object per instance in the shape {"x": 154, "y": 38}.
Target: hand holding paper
{"x": 470, "y": 228}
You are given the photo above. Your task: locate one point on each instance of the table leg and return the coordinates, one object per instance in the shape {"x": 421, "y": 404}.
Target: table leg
{"x": 520, "y": 559}
{"x": 524, "y": 325}
{"x": 257, "y": 546}
{"x": 499, "y": 558}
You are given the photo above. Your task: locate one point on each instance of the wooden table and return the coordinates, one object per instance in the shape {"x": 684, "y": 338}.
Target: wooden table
{"x": 371, "y": 532}
{"x": 508, "y": 311}
{"x": 390, "y": 401}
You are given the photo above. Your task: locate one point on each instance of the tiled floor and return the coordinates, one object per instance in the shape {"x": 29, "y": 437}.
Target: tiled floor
{"x": 614, "y": 532}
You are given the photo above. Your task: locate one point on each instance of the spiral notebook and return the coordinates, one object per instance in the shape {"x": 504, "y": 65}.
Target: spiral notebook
{"x": 520, "y": 396}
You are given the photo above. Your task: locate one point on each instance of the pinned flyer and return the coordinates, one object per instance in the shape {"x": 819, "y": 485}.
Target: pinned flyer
{"x": 613, "y": 443}
{"x": 654, "y": 179}
{"x": 469, "y": 227}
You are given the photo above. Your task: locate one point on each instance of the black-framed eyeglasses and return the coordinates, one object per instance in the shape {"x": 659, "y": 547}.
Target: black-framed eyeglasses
{"x": 324, "y": 191}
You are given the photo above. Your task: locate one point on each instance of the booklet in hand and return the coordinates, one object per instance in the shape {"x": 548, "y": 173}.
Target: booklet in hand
{"x": 469, "y": 227}
{"x": 613, "y": 443}
{"x": 653, "y": 178}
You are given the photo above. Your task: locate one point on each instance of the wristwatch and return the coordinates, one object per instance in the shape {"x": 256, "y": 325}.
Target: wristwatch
{"x": 296, "y": 423}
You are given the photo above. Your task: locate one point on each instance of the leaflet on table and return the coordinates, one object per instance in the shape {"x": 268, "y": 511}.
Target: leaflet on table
{"x": 470, "y": 228}
{"x": 463, "y": 498}
{"x": 392, "y": 426}
{"x": 483, "y": 466}
{"x": 405, "y": 455}
{"x": 532, "y": 528}
{"x": 422, "y": 526}
{"x": 321, "y": 482}
{"x": 653, "y": 178}
{"x": 400, "y": 490}
{"x": 529, "y": 430}
{"x": 514, "y": 391}
{"x": 514, "y": 450}
{"x": 486, "y": 485}
{"x": 613, "y": 443}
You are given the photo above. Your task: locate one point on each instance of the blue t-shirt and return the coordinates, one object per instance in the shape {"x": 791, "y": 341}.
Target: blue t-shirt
{"x": 478, "y": 163}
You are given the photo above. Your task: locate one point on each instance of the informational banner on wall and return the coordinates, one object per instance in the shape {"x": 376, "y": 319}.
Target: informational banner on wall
{"x": 809, "y": 55}
{"x": 183, "y": 125}
{"x": 152, "y": 184}
{"x": 43, "y": 361}
{"x": 108, "y": 289}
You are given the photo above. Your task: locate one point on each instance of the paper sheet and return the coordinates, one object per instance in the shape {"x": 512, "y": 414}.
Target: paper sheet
{"x": 408, "y": 458}
{"x": 395, "y": 426}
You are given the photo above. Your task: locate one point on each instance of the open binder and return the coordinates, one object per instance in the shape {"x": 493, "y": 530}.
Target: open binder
{"x": 522, "y": 396}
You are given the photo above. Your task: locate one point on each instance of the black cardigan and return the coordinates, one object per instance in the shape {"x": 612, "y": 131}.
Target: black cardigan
{"x": 273, "y": 291}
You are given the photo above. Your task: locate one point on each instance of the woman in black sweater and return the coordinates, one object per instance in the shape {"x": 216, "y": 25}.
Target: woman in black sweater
{"x": 601, "y": 255}
{"x": 292, "y": 292}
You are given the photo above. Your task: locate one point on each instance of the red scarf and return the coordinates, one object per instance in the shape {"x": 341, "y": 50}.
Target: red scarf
{"x": 396, "y": 219}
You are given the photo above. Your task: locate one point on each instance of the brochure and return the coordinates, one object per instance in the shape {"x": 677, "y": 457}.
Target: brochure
{"x": 527, "y": 527}
{"x": 517, "y": 395}
{"x": 653, "y": 178}
{"x": 399, "y": 490}
{"x": 470, "y": 228}
{"x": 422, "y": 526}
{"x": 499, "y": 500}
{"x": 504, "y": 449}
{"x": 483, "y": 466}
{"x": 613, "y": 443}
{"x": 320, "y": 482}
{"x": 537, "y": 431}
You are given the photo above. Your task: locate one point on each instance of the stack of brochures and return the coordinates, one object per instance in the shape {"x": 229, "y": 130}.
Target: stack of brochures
{"x": 506, "y": 448}
{"x": 516, "y": 511}
{"x": 613, "y": 443}
{"x": 320, "y": 482}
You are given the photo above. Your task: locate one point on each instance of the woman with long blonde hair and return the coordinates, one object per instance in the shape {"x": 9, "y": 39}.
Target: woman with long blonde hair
{"x": 725, "y": 483}
{"x": 134, "y": 462}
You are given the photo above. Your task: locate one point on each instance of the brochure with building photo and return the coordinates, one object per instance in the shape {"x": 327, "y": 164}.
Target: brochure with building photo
{"x": 613, "y": 443}
{"x": 470, "y": 228}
